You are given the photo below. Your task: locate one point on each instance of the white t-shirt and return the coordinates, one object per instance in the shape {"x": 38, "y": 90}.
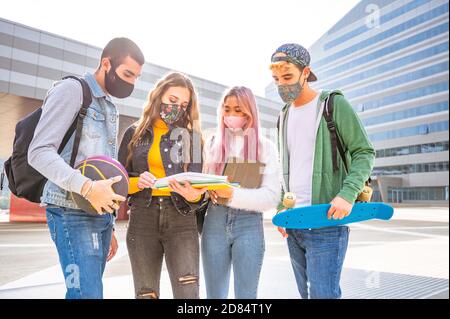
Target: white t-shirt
{"x": 236, "y": 146}
{"x": 301, "y": 139}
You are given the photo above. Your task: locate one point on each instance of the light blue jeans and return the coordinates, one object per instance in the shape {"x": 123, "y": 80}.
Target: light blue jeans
{"x": 82, "y": 242}
{"x": 232, "y": 237}
{"x": 317, "y": 257}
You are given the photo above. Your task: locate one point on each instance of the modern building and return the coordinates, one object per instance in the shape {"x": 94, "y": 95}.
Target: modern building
{"x": 391, "y": 60}
{"x": 271, "y": 93}
{"x": 31, "y": 60}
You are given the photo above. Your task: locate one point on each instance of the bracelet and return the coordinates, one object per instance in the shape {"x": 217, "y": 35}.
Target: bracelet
{"x": 81, "y": 192}
{"x": 89, "y": 190}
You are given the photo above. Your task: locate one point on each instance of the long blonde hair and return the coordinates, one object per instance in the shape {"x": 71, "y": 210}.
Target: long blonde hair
{"x": 152, "y": 109}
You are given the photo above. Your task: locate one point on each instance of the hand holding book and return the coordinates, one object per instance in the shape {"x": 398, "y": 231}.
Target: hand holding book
{"x": 186, "y": 190}
{"x": 146, "y": 180}
{"x": 225, "y": 194}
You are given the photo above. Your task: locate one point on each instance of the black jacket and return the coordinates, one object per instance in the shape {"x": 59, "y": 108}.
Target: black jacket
{"x": 139, "y": 164}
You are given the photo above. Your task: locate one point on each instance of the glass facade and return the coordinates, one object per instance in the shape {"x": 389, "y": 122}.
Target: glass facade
{"x": 393, "y": 65}
{"x": 403, "y": 194}
{"x": 389, "y": 49}
{"x": 404, "y": 96}
{"x": 420, "y": 19}
{"x": 392, "y": 70}
{"x": 413, "y": 149}
{"x": 383, "y": 19}
{"x": 422, "y": 129}
{"x": 398, "y": 80}
{"x": 411, "y": 169}
{"x": 408, "y": 113}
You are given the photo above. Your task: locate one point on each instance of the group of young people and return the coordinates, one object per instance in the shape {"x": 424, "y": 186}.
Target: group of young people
{"x": 166, "y": 140}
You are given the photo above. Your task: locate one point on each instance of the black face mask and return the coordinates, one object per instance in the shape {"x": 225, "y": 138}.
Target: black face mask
{"x": 116, "y": 86}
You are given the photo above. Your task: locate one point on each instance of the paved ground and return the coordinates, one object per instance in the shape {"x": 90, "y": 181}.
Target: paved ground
{"x": 407, "y": 257}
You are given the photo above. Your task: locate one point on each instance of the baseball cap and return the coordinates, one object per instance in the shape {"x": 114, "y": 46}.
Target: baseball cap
{"x": 295, "y": 54}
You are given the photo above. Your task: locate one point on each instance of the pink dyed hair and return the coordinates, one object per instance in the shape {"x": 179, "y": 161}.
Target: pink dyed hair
{"x": 247, "y": 104}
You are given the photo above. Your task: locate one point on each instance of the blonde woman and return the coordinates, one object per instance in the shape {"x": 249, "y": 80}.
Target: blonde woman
{"x": 163, "y": 223}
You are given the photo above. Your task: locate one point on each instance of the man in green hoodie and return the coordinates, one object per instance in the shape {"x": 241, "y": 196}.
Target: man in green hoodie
{"x": 309, "y": 171}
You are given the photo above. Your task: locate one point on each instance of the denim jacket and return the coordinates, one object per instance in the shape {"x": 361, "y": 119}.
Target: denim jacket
{"x": 99, "y": 137}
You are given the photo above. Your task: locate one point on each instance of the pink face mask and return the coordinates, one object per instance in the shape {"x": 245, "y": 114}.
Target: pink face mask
{"x": 235, "y": 122}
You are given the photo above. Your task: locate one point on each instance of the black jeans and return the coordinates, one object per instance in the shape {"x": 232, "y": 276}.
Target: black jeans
{"x": 158, "y": 231}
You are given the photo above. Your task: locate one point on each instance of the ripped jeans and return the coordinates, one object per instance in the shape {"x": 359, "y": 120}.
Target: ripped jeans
{"x": 82, "y": 242}
{"x": 159, "y": 231}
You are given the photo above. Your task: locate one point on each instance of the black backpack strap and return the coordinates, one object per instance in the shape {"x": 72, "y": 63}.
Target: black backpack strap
{"x": 68, "y": 135}
{"x": 77, "y": 125}
{"x": 336, "y": 145}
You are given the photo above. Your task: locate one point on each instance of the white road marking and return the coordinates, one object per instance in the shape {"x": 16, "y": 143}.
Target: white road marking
{"x": 393, "y": 231}
{"x": 434, "y": 293}
{"x": 21, "y": 230}
{"x": 25, "y": 245}
{"x": 53, "y": 274}
{"x": 420, "y": 227}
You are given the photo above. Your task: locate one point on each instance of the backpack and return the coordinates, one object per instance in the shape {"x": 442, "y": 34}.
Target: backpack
{"x": 337, "y": 147}
{"x": 23, "y": 180}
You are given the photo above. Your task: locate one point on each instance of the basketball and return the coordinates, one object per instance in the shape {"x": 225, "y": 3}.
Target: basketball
{"x": 101, "y": 168}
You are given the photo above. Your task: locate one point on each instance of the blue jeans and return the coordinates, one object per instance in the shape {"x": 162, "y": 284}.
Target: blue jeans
{"x": 232, "y": 237}
{"x": 82, "y": 242}
{"x": 317, "y": 257}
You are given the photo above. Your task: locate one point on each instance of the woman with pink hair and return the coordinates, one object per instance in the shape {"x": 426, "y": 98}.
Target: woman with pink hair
{"x": 233, "y": 233}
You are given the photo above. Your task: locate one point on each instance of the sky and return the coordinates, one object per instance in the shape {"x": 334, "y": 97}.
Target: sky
{"x": 228, "y": 42}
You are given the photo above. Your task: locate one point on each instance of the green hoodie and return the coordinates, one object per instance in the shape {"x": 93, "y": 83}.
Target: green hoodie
{"x": 360, "y": 153}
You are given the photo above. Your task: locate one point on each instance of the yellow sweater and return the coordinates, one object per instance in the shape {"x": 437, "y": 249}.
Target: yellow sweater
{"x": 155, "y": 162}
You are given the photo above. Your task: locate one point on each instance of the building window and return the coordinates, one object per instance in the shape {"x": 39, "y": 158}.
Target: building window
{"x": 405, "y": 114}
{"x": 390, "y": 66}
{"x": 411, "y": 169}
{"x": 410, "y": 131}
{"x": 407, "y": 95}
{"x": 414, "y": 149}
{"x": 402, "y": 79}
{"x": 403, "y": 194}
{"x": 383, "y": 19}
{"x": 413, "y": 40}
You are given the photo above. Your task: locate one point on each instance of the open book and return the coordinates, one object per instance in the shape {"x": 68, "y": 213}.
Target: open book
{"x": 197, "y": 180}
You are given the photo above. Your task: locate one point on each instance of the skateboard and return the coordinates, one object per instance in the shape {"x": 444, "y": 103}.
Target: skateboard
{"x": 315, "y": 216}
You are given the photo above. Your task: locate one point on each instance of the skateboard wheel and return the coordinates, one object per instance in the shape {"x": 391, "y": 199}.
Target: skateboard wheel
{"x": 289, "y": 200}
{"x": 366, "y": 195}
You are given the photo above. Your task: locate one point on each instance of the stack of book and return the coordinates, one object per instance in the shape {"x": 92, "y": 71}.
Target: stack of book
{"x": 197, "y": 180}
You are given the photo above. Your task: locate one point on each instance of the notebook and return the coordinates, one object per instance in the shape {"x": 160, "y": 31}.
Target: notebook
{"x": 197, "y": 180}
{"x": 247, "y": 175}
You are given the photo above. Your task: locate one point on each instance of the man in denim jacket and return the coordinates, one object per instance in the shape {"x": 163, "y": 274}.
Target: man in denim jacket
{"x": 84, "y": 241}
